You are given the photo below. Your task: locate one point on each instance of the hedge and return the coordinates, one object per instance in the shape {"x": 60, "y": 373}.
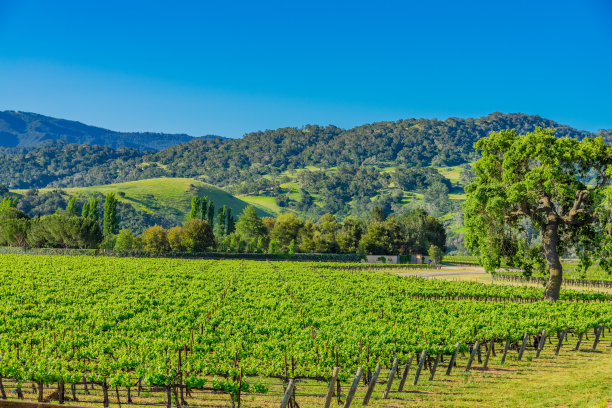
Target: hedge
{"x": 185, "y": 255}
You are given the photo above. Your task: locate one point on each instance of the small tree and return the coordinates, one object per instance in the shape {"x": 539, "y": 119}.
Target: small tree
{"x": 274, "y": 246}
{"x": 292, "y": 246}
{"x": 249, "y": 225}
{"x": 260, "y": 245}
{"x": 435, "y": 254}
{"x": 175, "y": 238}
{"x": 155, "y": 239}
{"x": 124, "y": 241}
{"x": 111, "y": 219}
{"x": 197, "y": 236}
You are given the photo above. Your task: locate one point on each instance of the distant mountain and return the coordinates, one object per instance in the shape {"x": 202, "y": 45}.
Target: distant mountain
{"x": 23, "y": 129}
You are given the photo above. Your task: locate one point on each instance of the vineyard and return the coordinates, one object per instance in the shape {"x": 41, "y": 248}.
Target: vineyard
{"x": 110, "y": 331}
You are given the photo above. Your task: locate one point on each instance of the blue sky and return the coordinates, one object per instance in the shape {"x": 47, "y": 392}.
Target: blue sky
{"x": 229, "y": 68}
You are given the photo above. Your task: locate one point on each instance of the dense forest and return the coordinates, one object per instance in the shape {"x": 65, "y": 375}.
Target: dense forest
{"x": 411, "y": 142}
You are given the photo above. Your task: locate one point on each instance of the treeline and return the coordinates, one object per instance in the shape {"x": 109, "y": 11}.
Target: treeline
{"x": 413, "y": 232}
{"x": 413, "y": 143}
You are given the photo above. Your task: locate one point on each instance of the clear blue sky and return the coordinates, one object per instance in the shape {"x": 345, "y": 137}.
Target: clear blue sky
{"x": 228, "y": 68}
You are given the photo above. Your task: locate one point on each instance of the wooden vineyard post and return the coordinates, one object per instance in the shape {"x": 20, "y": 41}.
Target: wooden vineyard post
{"x": 579, "y": 341}
{"x": 420, "y": 367}
{"x": 601, "y": 327}
{"x": 435, "y": 367}
{"x": 472, "y": 355}
{"x": 288, "y": 394}
{"x": 391, "y": 377}
{"x": 522, "y": 350}
{"x": 372, "y": 384}
{"x": 541, "y": 343}
{"x": 505, "y": 351}
{"x": 332, "y": 383}
{"x": 563, "y": 332}
{"x": 405, "y": 375}
{"x": 451, "y": 364}
{"x": 353, "y": 390}
{"x": 486, "y": 362}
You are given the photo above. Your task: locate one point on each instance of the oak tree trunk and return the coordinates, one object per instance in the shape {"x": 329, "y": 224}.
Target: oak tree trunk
{"x": 550, "y": 238}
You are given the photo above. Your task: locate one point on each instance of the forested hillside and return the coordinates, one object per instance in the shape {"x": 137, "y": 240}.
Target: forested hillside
{"x": 410, "y": 142}
{"x": 28, "y": 129}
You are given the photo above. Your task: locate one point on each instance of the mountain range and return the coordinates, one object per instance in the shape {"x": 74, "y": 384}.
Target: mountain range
{"x": 24, "y": 129}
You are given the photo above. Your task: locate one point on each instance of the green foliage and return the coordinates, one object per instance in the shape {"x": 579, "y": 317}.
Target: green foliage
{"x": 63, "y": 231}
{"x": 220, "y": 226}
{"x": 435, "y": 254}
{"x": 249, "y": 225}
{"x": 155, "y": 239}
{"x": 8, "y": 202}
{"x": 204, "y": 208}
{"x": 71, "y": 207}
{"x": 274, "y": 246}
{"x": 124, "y": 241}
{"x": 195, "y": 208}
{"x": 350, "y": 234}
{"x": 211, "y": 213}
{"x": 175, "y": 239}
{"x": 14, "y": 226}
{"x": 111, "y": 219}
{"x": 286, "y": 228}
{"x": 538, "y": 179}
{"x": 382, "y": 238}
{"x": 292, "y": 247}
{"x": 197, "y": 236}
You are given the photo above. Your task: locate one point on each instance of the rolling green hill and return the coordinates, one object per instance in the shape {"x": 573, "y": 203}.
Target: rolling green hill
{"x": 164, "y": 200}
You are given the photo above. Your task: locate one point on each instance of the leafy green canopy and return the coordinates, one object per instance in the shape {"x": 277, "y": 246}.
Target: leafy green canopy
{"x": 535, "y": 196}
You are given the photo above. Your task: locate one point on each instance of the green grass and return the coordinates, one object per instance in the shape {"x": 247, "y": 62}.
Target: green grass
{"x": 169, "y": 197}
{"x": 452, "y": 173}
{"x": 266, "y": 204}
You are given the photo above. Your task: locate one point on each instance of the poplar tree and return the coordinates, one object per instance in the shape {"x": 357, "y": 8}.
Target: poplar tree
{"x": 195, "y": 208}
{"x": 204, "y": 210}
{"x": 211, "y": 213}
{"x": 111, "y": 219}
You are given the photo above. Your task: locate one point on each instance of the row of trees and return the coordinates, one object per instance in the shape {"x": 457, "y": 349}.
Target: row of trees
{"x": 65, "y": 229}
{"x": 413, "y": 232}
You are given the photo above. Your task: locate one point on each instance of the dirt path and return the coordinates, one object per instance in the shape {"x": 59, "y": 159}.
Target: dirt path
{"x": 442, "y": 273}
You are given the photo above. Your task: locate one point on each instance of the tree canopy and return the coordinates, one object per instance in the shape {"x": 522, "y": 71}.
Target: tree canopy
{"x": 538, "y": 196}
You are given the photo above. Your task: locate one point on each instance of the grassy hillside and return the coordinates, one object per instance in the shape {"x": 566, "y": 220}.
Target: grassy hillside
{"x": 168, "y": 199}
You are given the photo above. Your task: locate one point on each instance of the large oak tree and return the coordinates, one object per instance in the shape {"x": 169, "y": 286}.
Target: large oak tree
{"x": 555, "y": 187}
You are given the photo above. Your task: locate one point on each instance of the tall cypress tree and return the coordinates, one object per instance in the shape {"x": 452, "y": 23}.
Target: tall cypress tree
{"x": 211, "y": 213}
{"x": 71, "y": 208}
{"x": 111, "y": 219}
{"x": 221, "y": 221}
{"x": 93, "y": 210}
{"x": 85, "y": 210}
{"x": 231, "y": 222}
{"x": 204, "y": 212}
{"x": 195, "y": 207}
